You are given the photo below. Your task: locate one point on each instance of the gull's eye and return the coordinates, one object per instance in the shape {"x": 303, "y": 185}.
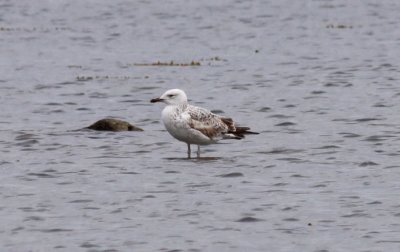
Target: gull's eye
{"x": 170, "y": 95}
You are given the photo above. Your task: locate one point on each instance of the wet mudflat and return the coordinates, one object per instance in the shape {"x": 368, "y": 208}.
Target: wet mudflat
{"x": 318, "y": 79}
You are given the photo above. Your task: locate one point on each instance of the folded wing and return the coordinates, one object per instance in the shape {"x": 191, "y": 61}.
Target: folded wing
{"x": 215, "y": 126}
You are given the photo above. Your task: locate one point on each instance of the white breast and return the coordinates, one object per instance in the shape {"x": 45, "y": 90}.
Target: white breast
{"x": 177, "y": 121}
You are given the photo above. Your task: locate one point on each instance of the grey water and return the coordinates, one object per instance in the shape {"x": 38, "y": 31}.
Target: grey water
{"x": 318, "y": 79}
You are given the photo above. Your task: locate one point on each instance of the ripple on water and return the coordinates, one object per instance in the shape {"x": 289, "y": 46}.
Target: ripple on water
{"x": 378, "y": 138}
{"x": 249, "y": 219}
{"x": 367, "y": 163}
{"x": 285, "y": 124}
{"x": 282, "y": 151}
{"x": 231, "y": 175}
{"x": 341, "y": 167}
{"x": 41, "y": 175}
{"x": 54, "y": 230}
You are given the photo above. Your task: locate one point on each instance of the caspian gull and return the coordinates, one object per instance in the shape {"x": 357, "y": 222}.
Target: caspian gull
{"x": 195, "y": 125}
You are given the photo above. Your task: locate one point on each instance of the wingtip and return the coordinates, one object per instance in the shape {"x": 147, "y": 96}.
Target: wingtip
{"x": 252, "y": 132}
{"x": 245, "y": 131}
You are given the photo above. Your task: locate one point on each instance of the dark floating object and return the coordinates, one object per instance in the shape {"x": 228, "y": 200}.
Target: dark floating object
{"x": 110, "y": 124}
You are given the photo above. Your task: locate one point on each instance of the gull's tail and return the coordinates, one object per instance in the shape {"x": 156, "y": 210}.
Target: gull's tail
{"x": 239, "y": 133}
{"x": 235, "y": 132}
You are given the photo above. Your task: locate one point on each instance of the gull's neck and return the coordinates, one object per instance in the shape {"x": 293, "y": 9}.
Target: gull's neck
{"x": 180, "y": 106}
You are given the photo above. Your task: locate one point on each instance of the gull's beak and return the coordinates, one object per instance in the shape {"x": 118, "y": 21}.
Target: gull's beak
{"x": 156, "y": 100}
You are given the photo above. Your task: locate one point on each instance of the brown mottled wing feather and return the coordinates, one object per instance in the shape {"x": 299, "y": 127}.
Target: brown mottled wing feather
{"x": 237, "y": 131}
{"x": 208, "y": 123}
{"x": 229, "y": 122}
{"x": 213, "y": 125}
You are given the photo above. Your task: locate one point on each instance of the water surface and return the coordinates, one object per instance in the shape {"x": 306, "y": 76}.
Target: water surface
{"x": 318, "y": 80}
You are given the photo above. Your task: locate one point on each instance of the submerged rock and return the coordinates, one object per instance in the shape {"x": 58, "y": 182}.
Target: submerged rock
{"x": 110, "y": 124}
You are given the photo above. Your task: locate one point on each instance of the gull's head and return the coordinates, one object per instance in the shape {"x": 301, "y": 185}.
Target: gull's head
{"x": 172, "y": 97}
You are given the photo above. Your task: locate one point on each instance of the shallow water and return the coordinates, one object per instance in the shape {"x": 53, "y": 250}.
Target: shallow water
{"x": 318, "y": 80}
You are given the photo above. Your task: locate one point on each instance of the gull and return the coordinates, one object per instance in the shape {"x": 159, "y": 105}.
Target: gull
{"x": 195, "y": 125}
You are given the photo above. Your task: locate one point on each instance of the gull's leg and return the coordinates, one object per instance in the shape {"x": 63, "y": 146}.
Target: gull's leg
{"x": 198, "y": 151}
{"x": 188, "y": 150}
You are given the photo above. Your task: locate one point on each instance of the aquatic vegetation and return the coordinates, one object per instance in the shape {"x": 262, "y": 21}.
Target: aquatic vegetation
{"x": 170, "y": 63}
{"x": 339, "y": 26}
{"x": 32, "y": 29}
{"x": 105, "y": 77}
{"x": 179, "y": 64}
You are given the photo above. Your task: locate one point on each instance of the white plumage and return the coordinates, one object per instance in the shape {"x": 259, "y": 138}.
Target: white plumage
{"x": 195, "y": 125}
